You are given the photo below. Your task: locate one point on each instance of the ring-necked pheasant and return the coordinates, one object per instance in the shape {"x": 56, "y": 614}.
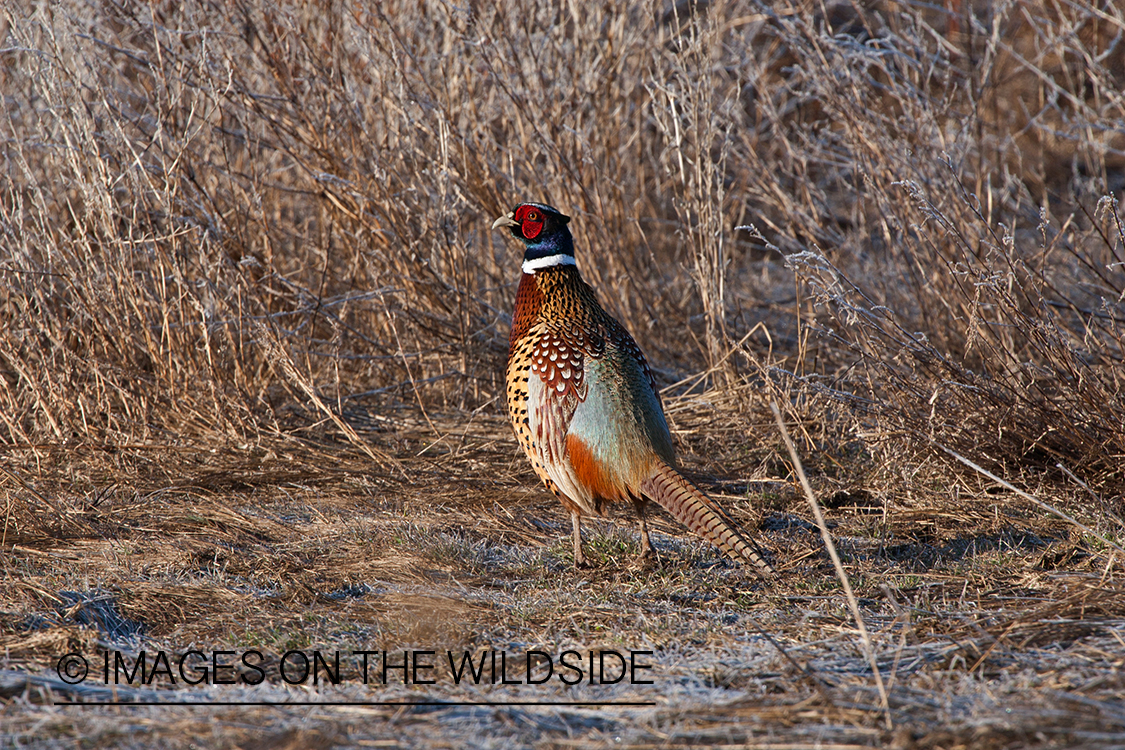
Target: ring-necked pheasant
{"x": 583, "y": 401}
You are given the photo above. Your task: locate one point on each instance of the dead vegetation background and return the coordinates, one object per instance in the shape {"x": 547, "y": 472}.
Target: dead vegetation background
{"x": 253, "y": 321}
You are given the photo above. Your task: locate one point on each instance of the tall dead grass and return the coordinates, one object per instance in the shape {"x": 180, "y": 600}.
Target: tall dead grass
{"x": 978, "y": 292}
{"x": 209, "y": 209}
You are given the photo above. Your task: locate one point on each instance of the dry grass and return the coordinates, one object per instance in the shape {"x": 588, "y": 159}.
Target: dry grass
{"x": 254, "y": 323}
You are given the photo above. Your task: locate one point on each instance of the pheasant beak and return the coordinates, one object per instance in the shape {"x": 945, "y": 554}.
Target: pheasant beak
{"x": 506, "y": 220}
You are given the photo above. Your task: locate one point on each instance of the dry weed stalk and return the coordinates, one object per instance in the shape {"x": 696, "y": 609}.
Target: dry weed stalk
{"x": 841, "y": 574}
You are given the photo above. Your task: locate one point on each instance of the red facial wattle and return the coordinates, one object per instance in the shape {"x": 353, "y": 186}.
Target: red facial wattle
{"x": 531, "y": 229}
{"x": 530, "y": 220}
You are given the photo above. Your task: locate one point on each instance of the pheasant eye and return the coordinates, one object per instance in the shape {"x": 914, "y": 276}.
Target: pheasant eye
{"x": 532, "y": 216}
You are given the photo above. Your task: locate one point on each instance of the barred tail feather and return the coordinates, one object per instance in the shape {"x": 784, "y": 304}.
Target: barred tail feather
{"x": 702, "y": 515}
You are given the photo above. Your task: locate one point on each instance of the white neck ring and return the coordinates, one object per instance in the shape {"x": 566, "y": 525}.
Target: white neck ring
{"x": 536, "y": 264}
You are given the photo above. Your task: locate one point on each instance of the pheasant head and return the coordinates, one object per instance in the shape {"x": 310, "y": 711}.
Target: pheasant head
{"x": 543, "y": 231}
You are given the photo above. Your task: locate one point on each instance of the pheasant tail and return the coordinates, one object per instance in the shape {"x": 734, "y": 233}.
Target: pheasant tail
{"x": 699, "y": 513}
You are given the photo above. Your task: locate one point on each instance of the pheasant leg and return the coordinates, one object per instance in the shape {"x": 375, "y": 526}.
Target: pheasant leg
{"x": 576, "y": 523}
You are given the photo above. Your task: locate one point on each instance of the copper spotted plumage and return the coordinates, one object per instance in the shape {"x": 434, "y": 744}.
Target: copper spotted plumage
{"x": 583, "y": 401}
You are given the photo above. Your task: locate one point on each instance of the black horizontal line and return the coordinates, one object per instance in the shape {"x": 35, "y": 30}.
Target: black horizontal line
{"x": 355, "y": 703}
